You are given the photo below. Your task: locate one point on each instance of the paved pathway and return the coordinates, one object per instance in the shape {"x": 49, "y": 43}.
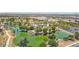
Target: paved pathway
{"x": 9, "y": 37}
{"x": 72, "y": 44}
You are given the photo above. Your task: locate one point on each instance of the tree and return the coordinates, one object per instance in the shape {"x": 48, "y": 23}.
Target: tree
{"x": 38, "y": 29}
{"x": 52, "y": 42}
{"x": 50, "y": 31}
{"x": 2, "y": 20}
{"x": 53, "y": 25}
{"x": 26, "y": 28}
{"x": 43, "y": 45}
{"x": 45, "y": 38}
{"x": 23, "y": 43}
{"x": 77, "y": 35}
{"x": 45, "y": 31}
{"x": 64, "y": 24}
{"x": 31, "y": 27}
{"x": 70, "y": 37}
{"x": 12, "y": 19}
{"x": 52, "y": 36}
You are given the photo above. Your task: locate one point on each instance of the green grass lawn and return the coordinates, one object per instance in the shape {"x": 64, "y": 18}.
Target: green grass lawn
{"x": 19, "y": 36}
{"x": 33, "y": 41}
{"x": 61, "y": 35}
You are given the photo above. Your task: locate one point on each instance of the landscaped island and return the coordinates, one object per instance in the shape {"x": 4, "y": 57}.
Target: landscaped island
{"x": 39, "y": 30}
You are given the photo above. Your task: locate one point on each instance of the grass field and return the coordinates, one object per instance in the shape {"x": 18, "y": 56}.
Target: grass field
{"x": 19, "y": 37}
{"x": 34, "y": 41}
{"x": 61, "y": 35}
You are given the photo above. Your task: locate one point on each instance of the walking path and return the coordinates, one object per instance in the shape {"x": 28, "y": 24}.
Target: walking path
{"x": 9, "y": 37}
{"x": 72, "y": 44}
